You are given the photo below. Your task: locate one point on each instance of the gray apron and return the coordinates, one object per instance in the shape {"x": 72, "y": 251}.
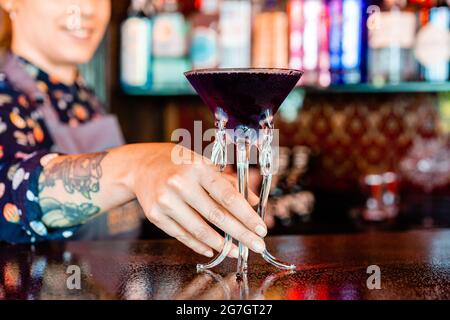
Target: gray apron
{"x": 95, "y": 136}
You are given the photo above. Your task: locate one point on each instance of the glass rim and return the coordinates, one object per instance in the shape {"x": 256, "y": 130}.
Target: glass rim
{"x": 244, "y": 71}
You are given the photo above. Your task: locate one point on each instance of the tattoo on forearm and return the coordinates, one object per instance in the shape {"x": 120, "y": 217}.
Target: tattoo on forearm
{"x": 63, "y": 215}
{"x": 78, "y": 174}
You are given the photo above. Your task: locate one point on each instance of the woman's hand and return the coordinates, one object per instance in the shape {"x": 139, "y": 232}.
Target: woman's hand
{"x": 181, "y": 199}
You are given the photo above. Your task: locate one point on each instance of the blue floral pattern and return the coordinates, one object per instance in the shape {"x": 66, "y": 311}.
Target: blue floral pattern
{"x": 25, "y": 148}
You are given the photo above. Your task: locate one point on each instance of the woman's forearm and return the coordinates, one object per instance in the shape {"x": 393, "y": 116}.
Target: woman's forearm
{"x": 180, "y": 197}
{"x": 76, "y": 188}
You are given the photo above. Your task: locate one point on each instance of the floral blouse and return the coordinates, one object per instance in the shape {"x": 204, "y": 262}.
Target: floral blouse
{"x": 25, "y": 147}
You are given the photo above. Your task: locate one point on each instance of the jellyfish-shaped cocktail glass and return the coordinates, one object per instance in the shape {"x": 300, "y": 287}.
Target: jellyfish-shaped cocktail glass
{"x": 245, "y": 101}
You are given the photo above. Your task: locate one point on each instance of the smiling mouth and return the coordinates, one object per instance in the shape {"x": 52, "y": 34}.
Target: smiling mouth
{"x": 82, "y": 33}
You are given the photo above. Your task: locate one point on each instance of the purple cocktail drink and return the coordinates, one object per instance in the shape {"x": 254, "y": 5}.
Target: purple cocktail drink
{"x": 244, "y": 94}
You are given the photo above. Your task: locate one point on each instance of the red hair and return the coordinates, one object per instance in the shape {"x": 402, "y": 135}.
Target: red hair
{"x": 5, "y": 31}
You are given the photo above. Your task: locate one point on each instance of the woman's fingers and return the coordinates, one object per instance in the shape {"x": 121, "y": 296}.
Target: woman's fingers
{"x": 198, "y": 199}
{"x": 196, "y": 226}
{"x": 173, "y": 229}
{"x": 228, "y": 197}
{"x": 234, "y": 252}
{"x": 253, "y": 199}
{"x": 184, "y": 215}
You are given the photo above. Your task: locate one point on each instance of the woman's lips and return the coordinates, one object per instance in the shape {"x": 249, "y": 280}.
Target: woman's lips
{"x": 80, "y": 34}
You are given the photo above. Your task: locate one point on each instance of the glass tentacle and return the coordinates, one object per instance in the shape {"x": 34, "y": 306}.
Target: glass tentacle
{"x": 219, "y": 158}
{"x": 266, "y": 166}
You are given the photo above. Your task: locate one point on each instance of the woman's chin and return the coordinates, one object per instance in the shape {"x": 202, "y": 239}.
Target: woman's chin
{"x": 77, "y": 52}
{"x": 77, "y": 58}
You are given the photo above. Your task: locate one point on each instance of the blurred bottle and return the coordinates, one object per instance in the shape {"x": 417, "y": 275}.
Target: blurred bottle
{"x": 342, "y": 45}
{"x": 335, "y": 13}
{"x": 204, "y": 50}
{"x": 170, "y": 32}
{"x": 324, "y": 79}
{"x": 312, "y": 10}
{"x": 391, "y": 39}
{"x": 235, "y": 33}
{"x": 296, "y": 24}
{"x": 432, "y": 47}
{"x": 310, "y": 40}
{"x": 136, "y": 47}
{"x": 170, "y": 47}
{"x": 353, "y": 49}
{"x": 270, "y": 37}
{"x": 421, "y": 9}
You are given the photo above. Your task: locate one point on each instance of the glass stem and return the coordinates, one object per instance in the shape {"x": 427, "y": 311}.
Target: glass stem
{"x": 244, "y": 290}
{"x": 243, "y": 152}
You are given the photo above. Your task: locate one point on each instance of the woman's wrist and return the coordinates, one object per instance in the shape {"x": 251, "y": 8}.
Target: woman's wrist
{"x": 128, "y": 162}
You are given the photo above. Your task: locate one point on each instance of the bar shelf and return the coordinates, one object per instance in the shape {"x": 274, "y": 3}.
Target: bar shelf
{"x": 406, "y": 87}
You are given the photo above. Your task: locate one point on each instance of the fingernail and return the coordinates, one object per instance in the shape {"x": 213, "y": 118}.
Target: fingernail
{"x": 258, "y": 246}
{"x": 261, "y": 231}
{"x": 209, "y": 254}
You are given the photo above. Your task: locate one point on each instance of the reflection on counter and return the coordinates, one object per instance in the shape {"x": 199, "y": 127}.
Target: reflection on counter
{"x": 329, "y": 267}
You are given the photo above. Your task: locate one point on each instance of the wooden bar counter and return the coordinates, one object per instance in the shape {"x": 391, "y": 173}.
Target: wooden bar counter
{"x": 413, "y": 265}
